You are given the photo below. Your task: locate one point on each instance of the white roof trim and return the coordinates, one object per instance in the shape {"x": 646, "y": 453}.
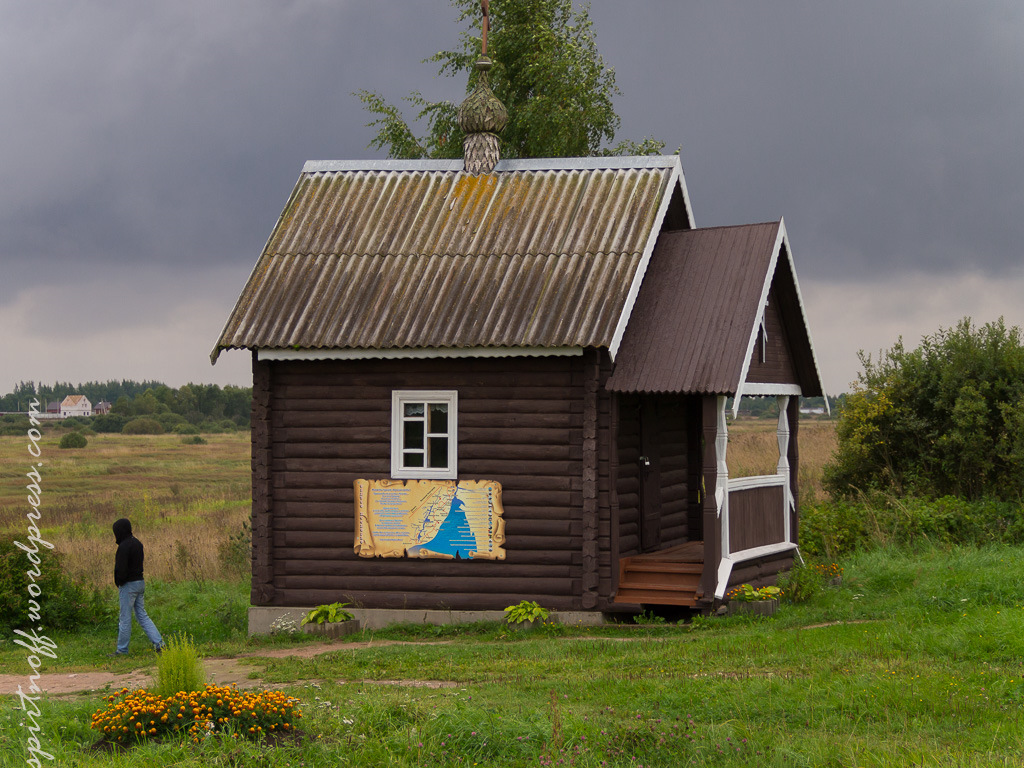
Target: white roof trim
{"x": 760, "y": 389}
{"x": 677, "y": 178}
{"x": 780, "y": 239}
{"x": 533, "y": 164}
{"x": 803, "y": 316}
{"x": 414, "y": 354}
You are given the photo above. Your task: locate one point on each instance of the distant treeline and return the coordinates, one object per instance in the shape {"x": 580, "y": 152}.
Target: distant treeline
{"x": 768, "y": 407}
{"x": 204, "y": 406}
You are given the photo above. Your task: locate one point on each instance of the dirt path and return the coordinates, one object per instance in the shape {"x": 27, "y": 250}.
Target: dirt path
{"x": 222, "y": 671}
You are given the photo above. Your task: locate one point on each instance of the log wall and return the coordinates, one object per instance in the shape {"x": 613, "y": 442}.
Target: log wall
{"x": 521, "y": 423}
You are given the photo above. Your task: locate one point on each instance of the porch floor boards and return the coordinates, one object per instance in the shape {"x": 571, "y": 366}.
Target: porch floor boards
{"x": 667, "y": 577}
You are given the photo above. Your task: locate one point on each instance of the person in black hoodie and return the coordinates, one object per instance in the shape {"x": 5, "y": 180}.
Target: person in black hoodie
{"x": 128, "y": 578}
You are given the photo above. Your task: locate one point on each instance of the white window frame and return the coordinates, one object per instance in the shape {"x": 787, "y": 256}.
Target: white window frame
{"x": 399, "y": 398}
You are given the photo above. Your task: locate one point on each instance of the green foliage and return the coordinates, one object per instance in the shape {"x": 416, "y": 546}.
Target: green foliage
{"x": 179, "y": 668}
{"x": 327, "y": 614}
{"x": 839, "y": 527}
{"x": 61, "y": 602}
{"x": 548, "y": 74}
{"x": 236, "y": 553}
{"x": 73, "y": 440}
{"x": 802, "y": 582}
{"x": 648, "y": 617}
{"x": 946, "y": 418}
{"x": 525, "y": 610}
{"x": 142, "y": 426}
{"x": 193, "y": 440}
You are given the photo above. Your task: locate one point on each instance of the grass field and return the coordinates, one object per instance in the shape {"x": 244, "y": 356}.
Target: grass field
{"x": 915, "y": 660}
{"x": 184, "y": 501}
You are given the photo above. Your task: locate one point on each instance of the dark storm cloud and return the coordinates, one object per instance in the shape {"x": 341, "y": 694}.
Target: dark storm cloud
{"x": 140, "y": 137}
{"x": 886, "y": 133}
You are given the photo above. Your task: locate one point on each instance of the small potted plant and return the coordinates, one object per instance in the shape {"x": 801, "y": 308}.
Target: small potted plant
{"x": 527, "y": 614}
{"x": 762, "y": 601}
{"x": 331, "y": 620}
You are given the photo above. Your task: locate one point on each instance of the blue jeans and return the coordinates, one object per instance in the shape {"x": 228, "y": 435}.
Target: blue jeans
{"x": 132, "y": 597}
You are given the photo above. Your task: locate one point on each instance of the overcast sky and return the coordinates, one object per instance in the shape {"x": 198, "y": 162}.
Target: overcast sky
{"x": 146, "y": 150}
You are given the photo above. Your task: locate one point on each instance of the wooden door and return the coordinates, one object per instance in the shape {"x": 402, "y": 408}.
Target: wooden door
{"x": 650, "y": 477}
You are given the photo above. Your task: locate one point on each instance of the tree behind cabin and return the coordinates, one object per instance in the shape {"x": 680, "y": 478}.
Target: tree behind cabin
{"x": 548, "y": 74}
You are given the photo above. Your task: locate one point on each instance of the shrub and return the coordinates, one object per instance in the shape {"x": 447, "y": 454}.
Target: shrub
{"x": 170, "y": 420}
{"x": 837, "y": 528}
{"x": 802, "y": 582}
{"x": 62, "y": 602}
{"x": 185, "y": 428}
{"x": 73, "y": 440}
{"x": 179, "y": 668}
{"x": 142, "y": 426}
{"x": 524, "y": 611}
{"x": 111, "y": 423}
{"x": 193, "y": 440}
{"x": 946, "y": 418}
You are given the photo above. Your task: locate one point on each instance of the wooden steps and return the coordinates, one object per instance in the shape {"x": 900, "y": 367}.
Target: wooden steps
{"x": 667, "y": 577}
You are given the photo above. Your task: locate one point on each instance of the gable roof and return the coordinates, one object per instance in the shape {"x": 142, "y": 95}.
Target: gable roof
{"x": 419, "y": 254}
{"x": 74, "y": 401}
{"x": 697, "y": 317}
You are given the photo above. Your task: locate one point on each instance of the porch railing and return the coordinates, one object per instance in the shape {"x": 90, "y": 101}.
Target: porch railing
{"x": 753, "y": 512}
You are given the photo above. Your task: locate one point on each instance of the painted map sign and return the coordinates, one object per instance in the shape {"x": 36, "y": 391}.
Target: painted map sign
{"x": 429, "y": 518}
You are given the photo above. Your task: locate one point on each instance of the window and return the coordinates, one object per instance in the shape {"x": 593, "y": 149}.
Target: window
{"x": 423, "y": 434}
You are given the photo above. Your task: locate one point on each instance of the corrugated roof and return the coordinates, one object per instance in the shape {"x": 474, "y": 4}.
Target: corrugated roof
{"x": 699, "y": 303}
{"x": 420, "y": 254}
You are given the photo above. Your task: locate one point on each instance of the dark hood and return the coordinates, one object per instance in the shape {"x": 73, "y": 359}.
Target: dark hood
{"x": 122, "y": 530}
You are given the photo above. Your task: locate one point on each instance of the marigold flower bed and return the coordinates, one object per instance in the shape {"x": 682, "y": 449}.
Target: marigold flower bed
{"x": 138, "y": 715}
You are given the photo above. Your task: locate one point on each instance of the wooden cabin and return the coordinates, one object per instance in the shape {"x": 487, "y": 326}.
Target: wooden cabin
{"x": 542, "y": 353}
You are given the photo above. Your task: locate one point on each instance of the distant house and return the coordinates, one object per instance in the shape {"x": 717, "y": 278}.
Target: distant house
{"x": 75, "y": 405}
{"x": 53, "y": 407}
{"x": 103, "y": 407}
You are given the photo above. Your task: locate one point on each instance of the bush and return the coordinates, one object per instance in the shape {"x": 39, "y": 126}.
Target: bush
{"x": 179, "y": 668}
{"x": 837, "y": 528}
{"x": 142, "y": 426}
{"x": 62, "y": 602}
{"x": 110, "y": 423}
{"x": 73, "y": 440}
{"x": 185, "y": 428}
{"x": 944, "y": 419}
{"x": 193, "y": 440}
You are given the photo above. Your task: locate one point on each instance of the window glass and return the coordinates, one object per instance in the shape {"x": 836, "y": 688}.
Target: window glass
{"x": 438, "y": 452}
{"x": 413, "y": 434}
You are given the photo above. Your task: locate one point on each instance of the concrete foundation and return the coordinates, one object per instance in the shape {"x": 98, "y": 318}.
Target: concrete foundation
{"x": 265, "y": 619}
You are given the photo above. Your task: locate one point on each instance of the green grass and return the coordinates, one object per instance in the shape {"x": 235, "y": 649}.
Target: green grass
{"x": 916, "y": 659}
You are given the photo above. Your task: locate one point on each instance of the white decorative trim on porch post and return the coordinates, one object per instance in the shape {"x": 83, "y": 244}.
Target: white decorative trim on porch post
{"x": 722, "y": 497}
{"x": 722, "y": 470}
{"x": 783, "y": 469}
